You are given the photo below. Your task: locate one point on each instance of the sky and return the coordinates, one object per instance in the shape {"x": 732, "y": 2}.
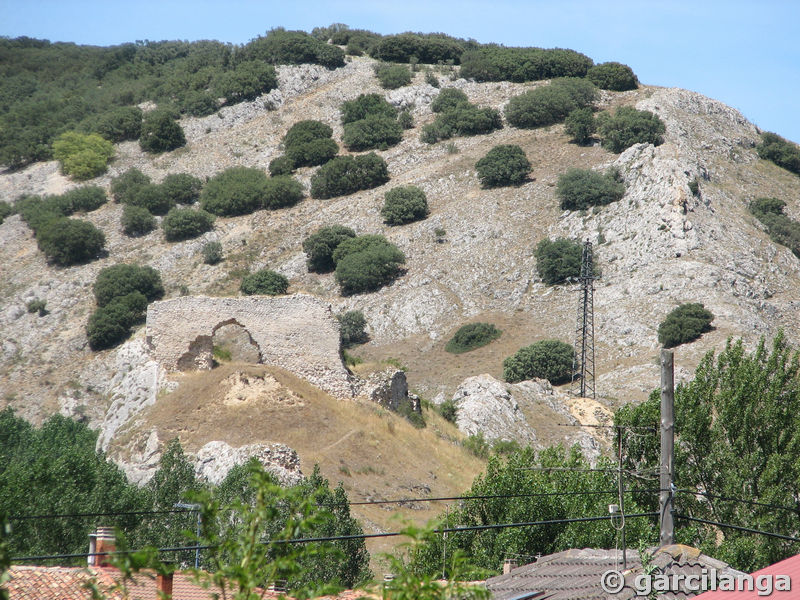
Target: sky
{"x": 743, "y": 53}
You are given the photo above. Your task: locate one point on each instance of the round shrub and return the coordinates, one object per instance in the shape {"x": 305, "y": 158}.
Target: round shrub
{"x": 122, "y": 279}
{"x": 125, "y": 186}
{"x": 549, "y": 359}
{"x": 578, "y": 189}
{"x": 558, "y": 261}
{"x": 83, "y": 199}
{"x": 366, "y": 263}
{"x": 405, "y": 119}
{"x": 248, "y": 80}
{"x": 352, "y": 326}
{"x": 282, "y": 165}
{"x": 684, "y": 324}
{"x": 503, "y": 165}
{"x": 313, "y": 153}
{"x": 212, "y": 253}
{"x": 117, "y": 125}
{"x": 551, "y": 103}
{"x": 161, "y": 133}
{"x": 629, "y": 126}
{"x": 392, "y": 77}
{"x": 320, "y": 246}
{"x": 347, "y": 175}
{"x": 186, "y": 223}
{"x": 264, "y": 282}
{"x": 110, "y": 324}
{"x": 282, "y": 191}
{"x": 153, "y": 198}
{"x": 137, "y": 220}
{"x": 235, "y": 191}
{"x": 580, "y": 124}
{"x": 181, "y": 188}
{"x": 303, "y": 132}
{"x": 366, "y": 105}
{"x": 403, "y": 205}
{"x": 463, "y": 119}
{"x": 612, "y": 76}
{"x": 471, "y": 336}
{"x": 82, "y": 156}
{"x": 373, "y": 132}
{"x": 448, "y": 99}
{"x": 198, "y": 104}
{"x": 68, "y": 242}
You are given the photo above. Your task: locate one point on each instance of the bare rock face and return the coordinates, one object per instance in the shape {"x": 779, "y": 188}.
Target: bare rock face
{"x": 216, "y": 459}
{"x": 505, "y": 411}
{"x": 135, "y": 385}
{"x": 486, "y": 405}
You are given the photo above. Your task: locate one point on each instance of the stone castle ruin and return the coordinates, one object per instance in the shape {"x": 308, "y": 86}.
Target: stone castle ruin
{"x": 298, "y": 333}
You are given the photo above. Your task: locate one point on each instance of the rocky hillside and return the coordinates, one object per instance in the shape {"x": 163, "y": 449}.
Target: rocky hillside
{"x": 657, "y": 247}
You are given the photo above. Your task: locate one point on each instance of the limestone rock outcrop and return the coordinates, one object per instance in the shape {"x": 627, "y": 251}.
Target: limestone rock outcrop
{"x": 215, "y": 459}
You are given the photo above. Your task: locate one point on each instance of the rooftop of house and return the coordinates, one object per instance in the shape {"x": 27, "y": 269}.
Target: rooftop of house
{"x": 577, "y": 574}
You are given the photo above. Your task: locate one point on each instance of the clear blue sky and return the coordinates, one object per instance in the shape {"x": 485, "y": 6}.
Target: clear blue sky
{"x": 743, "y": 53}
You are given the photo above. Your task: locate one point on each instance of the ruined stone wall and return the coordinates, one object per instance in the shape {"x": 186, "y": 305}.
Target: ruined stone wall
{"x": 298, "y": 333}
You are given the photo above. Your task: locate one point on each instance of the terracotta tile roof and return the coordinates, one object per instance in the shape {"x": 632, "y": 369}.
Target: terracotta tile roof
{"x": 576, "y": 574}
{"x": 69, "y": 583}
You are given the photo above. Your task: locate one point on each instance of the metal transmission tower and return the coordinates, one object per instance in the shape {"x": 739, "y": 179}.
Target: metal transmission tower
{"x": 583, "y": 366}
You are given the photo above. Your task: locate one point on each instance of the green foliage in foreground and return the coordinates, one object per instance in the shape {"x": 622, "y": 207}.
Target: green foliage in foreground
{"x": 781, "y": 229}
{"x": 320, "y": 246}
{"x": 629, "y": 126}
{"x": 578, "y": 189}
{"x": 82, "y": 156}
{"x": 738, "y": 432}
{"x": 307, "y": 144}
{"x": 485, "y": 550}
{"x": 56, "y": 469}
{"x": 347, "y": 174}
{"x": 780, "y": 151}
{"x": 503, "y": 165}
{"x": 264, "y": 282}
{"x": 471, "y": 336}
{"x": 558, "y": 261}
{"x": 404, "y": 204}
{"x": 548, "y": 359}
{"x": 684, "y": 324}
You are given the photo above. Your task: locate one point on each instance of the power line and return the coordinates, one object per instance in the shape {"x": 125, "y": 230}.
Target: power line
{"x": 750, "y": 502}
{"x": 740, "y": 528}
{"x": 361, "y": 536}
{"x": 357, "y": 503}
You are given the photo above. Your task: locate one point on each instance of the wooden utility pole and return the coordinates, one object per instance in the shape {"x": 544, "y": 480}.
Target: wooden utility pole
{"x": 667, "y": 446}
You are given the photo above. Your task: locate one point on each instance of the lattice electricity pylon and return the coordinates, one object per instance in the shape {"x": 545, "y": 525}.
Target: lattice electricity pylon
{"x": 583, "y": 364}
